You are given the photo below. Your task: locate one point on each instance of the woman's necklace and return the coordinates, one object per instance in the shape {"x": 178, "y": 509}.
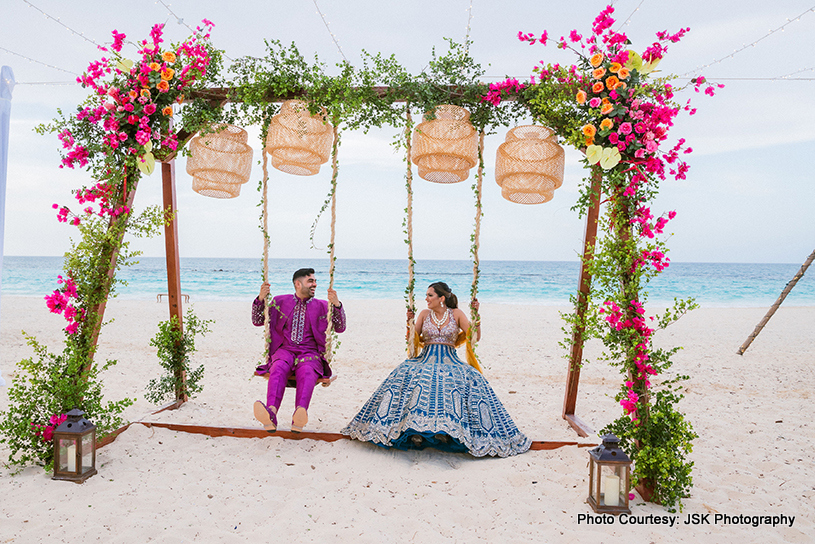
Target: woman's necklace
{"x": 438, "y": 321}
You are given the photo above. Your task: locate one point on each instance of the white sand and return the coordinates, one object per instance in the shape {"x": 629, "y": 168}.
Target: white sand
{"x": 753, "y": 457}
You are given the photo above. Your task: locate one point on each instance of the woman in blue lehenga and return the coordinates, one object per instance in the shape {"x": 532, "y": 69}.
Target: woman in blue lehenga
{"x": 437, "y": 399}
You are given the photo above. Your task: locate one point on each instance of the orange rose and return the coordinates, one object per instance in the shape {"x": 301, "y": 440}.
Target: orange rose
{"x": 168, "y": 111}
{"x": 605, "y": 109}
{"x": 615, "y": 67}
{"x": 589, "y": 141}
{"x": 167, "y": 73}
{"x": 623, "y": 73}
{"x": 145, "y": 92}
{"x": 606, "y": 124}
{"x": 606, "y": 101}
{"x": 180, "y": 99}
{"x": 581, "y": 97}
{"x": 611, "y": 82}
{"x": 598, "y": 87}
{"x": 598, "y": 73}
{"x": 596, "y": 59}
{"x": 589, "y": 130}
{"x": 133, "y": 94}
{"x": 621, "y": 85}
{"x": 154, "y": 66}
{"x": 163, "y": 86}
{"x": 169, "y": 56}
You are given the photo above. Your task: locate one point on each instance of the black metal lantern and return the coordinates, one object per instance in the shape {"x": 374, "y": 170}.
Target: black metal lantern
{"x": 609, "y": 477}
{"x": 75, "y": 448}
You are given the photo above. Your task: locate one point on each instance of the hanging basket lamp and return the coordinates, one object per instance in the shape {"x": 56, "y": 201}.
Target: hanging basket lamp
{"x": 220, "y": 162}
{"x": 297, "y": 141}
{"x": 445, "y": 145}
{"x": 529, "y": 165}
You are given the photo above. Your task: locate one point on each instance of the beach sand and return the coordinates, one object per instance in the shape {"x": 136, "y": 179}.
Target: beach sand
{"x": 753, "y": 456}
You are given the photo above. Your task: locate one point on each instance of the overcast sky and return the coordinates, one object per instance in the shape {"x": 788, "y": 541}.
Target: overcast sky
{"x": 749, "y": 195}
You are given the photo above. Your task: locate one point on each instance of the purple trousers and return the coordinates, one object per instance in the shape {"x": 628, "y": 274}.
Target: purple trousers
{"x": 307, "y": 369}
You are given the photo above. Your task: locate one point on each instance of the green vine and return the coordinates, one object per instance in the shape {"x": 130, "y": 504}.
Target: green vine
{"x": 174, "y": 350}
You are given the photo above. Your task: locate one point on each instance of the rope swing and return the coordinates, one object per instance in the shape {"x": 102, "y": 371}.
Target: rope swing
{"x": 409, "y": 299}
{"x": 285, "y": 161}
{"x": 414, "y": 343}
{"x": 330, "y": 335}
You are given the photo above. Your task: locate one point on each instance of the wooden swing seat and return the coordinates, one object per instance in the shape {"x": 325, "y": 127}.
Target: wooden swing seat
{"x": 325, "y": 382}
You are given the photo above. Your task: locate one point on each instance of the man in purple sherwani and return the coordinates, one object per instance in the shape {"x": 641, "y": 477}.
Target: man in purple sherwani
{"x": 297, "y": 327}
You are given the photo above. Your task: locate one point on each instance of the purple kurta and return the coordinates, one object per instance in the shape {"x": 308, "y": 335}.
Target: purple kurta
{"x": 297, "y": 341}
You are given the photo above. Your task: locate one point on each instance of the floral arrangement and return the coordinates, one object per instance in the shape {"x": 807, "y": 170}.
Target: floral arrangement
{"x": 610, "y": 105}
{"x": 117, "y": 134}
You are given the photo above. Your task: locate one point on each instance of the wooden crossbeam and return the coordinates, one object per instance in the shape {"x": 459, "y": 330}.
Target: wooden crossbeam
{"x": 254, "y": 432}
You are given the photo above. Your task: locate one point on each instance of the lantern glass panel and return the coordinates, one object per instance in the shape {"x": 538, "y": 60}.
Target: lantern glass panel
{"x": 87, "y": 452}
{"x": 67, "y": 454}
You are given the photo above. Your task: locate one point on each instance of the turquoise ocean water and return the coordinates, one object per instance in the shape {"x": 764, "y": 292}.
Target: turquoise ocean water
{"x": 518, "y": 282}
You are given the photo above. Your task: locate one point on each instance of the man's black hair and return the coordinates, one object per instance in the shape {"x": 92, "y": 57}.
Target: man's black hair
{"x": 302, "y": 273}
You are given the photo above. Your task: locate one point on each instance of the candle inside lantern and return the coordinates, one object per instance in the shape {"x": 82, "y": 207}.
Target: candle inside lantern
{"x": 71, "y": 451}
{"x": 612, "y": 490}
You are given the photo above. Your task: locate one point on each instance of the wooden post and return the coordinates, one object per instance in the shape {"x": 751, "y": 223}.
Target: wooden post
{"x": 173, "y": 260}
{"x": 583, "y": 287}
{"x": 778, "y": 302}
{"x": 99, "y": 310}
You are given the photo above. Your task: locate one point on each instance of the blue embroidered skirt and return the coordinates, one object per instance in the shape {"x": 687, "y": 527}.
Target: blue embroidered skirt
{"x": 440, "y": 401}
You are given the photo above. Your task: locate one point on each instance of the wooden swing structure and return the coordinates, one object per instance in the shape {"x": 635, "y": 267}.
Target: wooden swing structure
{"x": 220, "y": 97}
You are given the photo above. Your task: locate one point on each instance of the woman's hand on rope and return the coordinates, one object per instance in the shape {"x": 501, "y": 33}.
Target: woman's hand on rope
{"x": 264, "y": 291}
{"x": 333, "y": 298}
{"x": 411, "y": 315}
{"x": 475, "y": 305}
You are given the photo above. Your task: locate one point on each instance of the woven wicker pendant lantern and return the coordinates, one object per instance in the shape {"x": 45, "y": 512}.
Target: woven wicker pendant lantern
{"x": 445, "y": 147}
{"x": 529, "y": 165}
{"x": 220, "y": 162}
{"x": 297, "y": 141}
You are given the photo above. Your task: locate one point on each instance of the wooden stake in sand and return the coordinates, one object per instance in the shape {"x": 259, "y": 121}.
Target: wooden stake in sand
{"x": 778, "y": 302}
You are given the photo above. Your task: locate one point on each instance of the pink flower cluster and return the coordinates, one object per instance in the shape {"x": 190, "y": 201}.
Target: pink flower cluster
{"x": 47, "y": 431}
{"x": 59, "y": 302}
{"x": 499, "y": 90}
{"x": 632, "y": 319}
{"x": 134, "y": 105}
